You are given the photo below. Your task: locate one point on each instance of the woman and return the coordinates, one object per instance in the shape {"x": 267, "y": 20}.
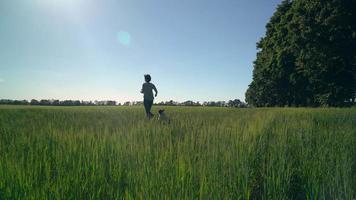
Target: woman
{"x": 147, "y": 88}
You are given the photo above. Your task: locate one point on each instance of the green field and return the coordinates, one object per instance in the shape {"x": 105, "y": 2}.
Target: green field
{"x": 205, "y": 153}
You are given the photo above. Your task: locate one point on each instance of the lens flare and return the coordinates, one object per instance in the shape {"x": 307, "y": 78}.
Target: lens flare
{"x": 124, "y": 38}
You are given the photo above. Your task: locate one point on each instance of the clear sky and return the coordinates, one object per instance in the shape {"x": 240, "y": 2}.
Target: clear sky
{"x": 197, "y": 50}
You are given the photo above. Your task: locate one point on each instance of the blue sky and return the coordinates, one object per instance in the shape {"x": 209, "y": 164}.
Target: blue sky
{"x": 197, "y": 50}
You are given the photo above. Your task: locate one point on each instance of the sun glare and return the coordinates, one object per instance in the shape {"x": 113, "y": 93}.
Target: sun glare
{"x": 60, "y": 2}
{"x": 64, "y": 7}
{"x": 74, "y": 11}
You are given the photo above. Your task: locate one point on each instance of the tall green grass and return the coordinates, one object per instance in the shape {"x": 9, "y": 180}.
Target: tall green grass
{"x": 204, "y": 153}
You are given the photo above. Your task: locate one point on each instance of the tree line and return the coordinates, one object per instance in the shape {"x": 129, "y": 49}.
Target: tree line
{"x": 231, "y": 103}
{"x": 53, "y": 102}
{"x": 307, "y": 56}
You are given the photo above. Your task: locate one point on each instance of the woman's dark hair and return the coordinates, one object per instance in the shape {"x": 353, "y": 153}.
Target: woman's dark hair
{"x": 147, "y": 78}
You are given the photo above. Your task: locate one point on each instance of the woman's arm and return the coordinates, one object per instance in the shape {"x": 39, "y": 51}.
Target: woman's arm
{"x": 155, "y": 89}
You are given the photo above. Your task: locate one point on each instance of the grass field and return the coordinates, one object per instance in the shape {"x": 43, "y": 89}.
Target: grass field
{"x": 205, "y": 153}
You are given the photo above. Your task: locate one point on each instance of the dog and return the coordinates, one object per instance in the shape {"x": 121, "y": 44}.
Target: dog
{"x": 163, "y": 117}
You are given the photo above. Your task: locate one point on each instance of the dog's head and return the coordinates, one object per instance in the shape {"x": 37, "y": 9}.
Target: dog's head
{"x": 160, "y": 111}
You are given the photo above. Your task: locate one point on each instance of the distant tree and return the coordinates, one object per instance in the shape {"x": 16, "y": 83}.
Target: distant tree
{"x": 77, "y": 103}
{"x": 55, "y": 102}
{"x": 221, "y": 103}
{"x": 136, "y": 103}
{"x": 13, "y": 102}
{"x": 34, "y": 102}
{"x": 308, "y": 56}
{"x": 67, "y": 103}
{"x": 21, "y": 102}
{"x": 236, "y": 103}
{"x": 111, "y": 103}
{"x": 160, "y": 103}
{"x": 45, "y": 102}
{"x": 86, "y": 103}
{"x": 171, "y": 103}
{"x": 211, "y": 103}
{"x": 188, "y": 103}
{"x": 6, "y": 102}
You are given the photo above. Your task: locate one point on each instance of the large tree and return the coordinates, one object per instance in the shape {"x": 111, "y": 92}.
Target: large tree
{"x": 308, "y": 55}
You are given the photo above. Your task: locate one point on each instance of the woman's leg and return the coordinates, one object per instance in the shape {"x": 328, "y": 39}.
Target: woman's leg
{"x": 147, "y": 107}
{"x": 150, "y": 103}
